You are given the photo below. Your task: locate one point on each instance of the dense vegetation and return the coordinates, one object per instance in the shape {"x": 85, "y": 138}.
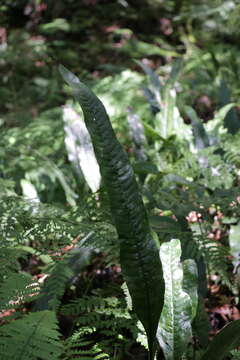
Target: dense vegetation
{"x": 119, "y": 234}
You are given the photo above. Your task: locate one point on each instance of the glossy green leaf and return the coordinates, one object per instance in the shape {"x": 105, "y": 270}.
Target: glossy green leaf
{"x": 174, "y": 328}
{"x": 226, "y": 340}
{"x": 138, "y": 251}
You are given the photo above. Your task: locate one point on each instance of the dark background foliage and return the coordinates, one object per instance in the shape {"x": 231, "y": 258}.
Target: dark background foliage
{"x": 141, "y": 57}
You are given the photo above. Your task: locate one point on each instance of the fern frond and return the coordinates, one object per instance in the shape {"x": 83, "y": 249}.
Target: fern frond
{"x": 89, "y": 303}
{"x": 99, "y": 313}
{"x": 9, "y": 261}
{"x": 80, "y": 348}
{"x": 35, "y": 336}
{"x": 17, "y": 289}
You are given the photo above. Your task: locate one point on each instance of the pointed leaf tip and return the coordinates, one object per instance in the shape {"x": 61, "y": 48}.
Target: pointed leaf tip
{"x": 68, "y": 76}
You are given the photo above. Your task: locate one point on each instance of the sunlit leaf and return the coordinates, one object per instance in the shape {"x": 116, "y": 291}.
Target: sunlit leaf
{"x": 174, "y": 329}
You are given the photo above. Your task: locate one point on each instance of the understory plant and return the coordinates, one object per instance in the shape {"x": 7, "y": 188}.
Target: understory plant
{"x": 141, "y": 224}
{"x": 169, "y": 320}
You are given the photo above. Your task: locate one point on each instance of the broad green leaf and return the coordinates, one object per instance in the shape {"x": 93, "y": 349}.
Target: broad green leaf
{"x": 174, "y": 328}
{"x": 138, "y": 251}
{"x": 190, "y": 283}
{"x": 226, "y": 340}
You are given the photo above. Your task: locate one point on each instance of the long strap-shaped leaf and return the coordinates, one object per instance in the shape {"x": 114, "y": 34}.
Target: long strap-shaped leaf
{"x": 175, "y": 322}
{"x": 138, "y": 252}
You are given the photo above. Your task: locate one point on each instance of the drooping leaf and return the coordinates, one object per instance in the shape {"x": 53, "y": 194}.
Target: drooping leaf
{"x": 174, "y": 328}
{"x": 138, "y": 251}
{"x": 226, "y": 340}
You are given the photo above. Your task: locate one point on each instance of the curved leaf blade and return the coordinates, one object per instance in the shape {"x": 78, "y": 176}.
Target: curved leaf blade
{"x": 138, "y": 251}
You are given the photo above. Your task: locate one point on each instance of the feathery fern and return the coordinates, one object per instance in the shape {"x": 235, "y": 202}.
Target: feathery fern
{"x": 34, "y": 336}
{"x": 80, "y": 348}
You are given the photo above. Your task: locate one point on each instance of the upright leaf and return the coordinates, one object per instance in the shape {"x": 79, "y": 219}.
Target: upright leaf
{"x": 169, "y": 121}
{"x": 138, "y": 251}
{"x": 174, "y": 328}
